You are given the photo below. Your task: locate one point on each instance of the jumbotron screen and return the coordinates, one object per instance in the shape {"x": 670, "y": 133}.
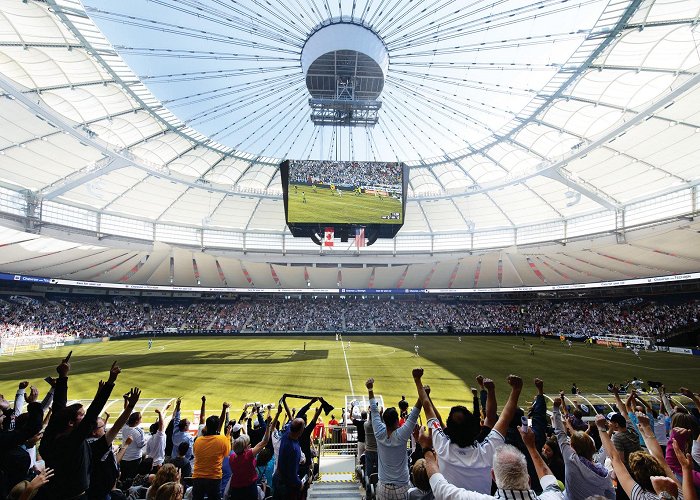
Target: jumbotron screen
{"x": 343, "y": 192}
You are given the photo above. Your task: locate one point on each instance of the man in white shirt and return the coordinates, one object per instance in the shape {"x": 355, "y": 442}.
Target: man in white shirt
{"x": 509, "y": 472}
{"x": 464, "y": 461}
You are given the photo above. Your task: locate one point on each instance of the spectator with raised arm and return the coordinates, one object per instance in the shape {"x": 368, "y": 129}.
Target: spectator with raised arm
{"x": 464, "y": 461}
{"x": 509, "y": 471}
{"x": 155, "y": 446}
{"x": 68, "y": 453}
{"x": 105, "y": 469}
{"x": 635, "y": 475}
{"x": 583, "y": 477}
{"x": 684, "y": 432}
{"x": 286, "y": 482}
{"x": 244, "y": 476}
{"x": 134, "y": 453}
{"x": 15, "y": 460}
{"x": 181, "y": 432}
{"x": 209, "y": 451}
{"x": 394, "y": 481}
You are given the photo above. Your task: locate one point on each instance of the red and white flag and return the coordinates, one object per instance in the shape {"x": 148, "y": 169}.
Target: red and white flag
{"x": 328, "y": 237}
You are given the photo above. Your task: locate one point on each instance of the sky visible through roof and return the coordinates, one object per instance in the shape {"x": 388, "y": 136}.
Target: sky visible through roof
{"x": 459, "y": 71}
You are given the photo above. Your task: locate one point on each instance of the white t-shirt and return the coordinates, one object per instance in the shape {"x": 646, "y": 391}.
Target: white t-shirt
{"x": 470, "y": 467}
{"x": 134, "y": 451}
{"x": 155, "y": 447}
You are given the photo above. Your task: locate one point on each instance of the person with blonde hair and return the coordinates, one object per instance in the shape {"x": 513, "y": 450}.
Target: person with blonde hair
{"x": 172, "y": 490}
{"x": 166, "y": 474}
{"x": 243, "y": 484}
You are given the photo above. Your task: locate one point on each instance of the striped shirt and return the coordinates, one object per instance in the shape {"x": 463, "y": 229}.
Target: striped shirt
{"x": 446, "y": 491}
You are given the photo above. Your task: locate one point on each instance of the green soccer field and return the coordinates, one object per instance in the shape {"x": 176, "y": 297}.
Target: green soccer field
{"x": 241, "y": 370}
{"x": 324, "y": 207}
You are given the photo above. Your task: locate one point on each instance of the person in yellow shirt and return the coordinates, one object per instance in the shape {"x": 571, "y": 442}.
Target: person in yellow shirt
{"x": 209, "y": 451}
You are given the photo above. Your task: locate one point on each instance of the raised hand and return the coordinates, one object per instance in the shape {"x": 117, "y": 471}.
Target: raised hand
{"x": 515, "y": 382}
{"x": 425, "y": 439}
{"x": 426, "y": 387}
{"x": 132, "y": 397}
{"x": 157, "y": 411}
{"x": 528, "y": 436}
{"x": 480, "y": 380}
{"x": 369, "y": 384}
{"x": 601, "y": 423}
{"x": 114, "y": 372}
{"x": 226, "y": 405}
{"x": 489, "y": 384}
{"x": 684, "y": 459}
{"x": 23, "y": 385}
{"x": 557, "y": 403}
{"x": 642, "y": 419}
{"x": 204, "y": 399}
{"x": 32, "y": 396}
{"x": 417, "y": 373}
{"x": 63, "y": 367}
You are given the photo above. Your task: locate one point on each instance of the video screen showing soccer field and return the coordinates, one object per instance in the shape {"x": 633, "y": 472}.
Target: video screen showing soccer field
{"x": 345, "y": 192}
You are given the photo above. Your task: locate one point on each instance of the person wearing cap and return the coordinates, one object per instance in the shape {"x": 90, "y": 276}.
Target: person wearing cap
{"x": 624, "y": 439}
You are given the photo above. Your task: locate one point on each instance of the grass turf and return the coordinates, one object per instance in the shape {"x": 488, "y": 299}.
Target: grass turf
{"x": 323, "y": 207}
{"x": 241, "y": 370}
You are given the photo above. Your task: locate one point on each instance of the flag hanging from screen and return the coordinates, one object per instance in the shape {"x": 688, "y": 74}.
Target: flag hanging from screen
{"x": 328, "y": 237}
{"x": 360, "y": 237}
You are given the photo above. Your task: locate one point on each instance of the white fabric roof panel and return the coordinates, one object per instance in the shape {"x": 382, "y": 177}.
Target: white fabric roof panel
{"x": 160, "y": 253}
{"x": 102, "y": 191}
{"x": 192, "y": 206}
{"x": 388, "y": 277}
{"x": 318, "y": 277}
{"x": 260, "y": 274}
{"x": 465, "y": 273}
{"x": 86, "y": 258}
{"x": 417, "y": 275}
{"x": 110, "y": 272}
{"x": 291, "y": 276}
{"x": 194, "y": 163}
{"x": 233, "y": 273}
{"x": 149, "y": 198}
{"x": 355, "y": 278}
{"x": 655, "y": 156}
{"x": 127, "y": 129}
{"x": 89, "y": 103}
{"x": 17, "y": 125}
{"x": 183, "y": 269}
{"x": 482, "y": 211}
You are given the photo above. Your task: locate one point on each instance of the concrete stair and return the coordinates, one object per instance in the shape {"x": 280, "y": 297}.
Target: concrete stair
{"x": 335, "y": 491}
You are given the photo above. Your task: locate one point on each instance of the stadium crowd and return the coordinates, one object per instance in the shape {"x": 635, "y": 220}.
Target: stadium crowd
{"x": 356, "y": 173}
{"x": 92, "y": 317}
{"x": 53, "y": 450}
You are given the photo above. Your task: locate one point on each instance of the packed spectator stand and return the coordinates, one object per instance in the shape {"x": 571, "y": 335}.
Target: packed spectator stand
{"x": 23, "y": 316}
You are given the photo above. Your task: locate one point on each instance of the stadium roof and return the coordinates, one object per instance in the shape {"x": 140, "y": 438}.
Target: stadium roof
{"x": 525, "y": 126}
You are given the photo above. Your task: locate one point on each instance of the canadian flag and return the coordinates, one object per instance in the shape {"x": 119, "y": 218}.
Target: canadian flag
{"x": 328, "y": 237}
